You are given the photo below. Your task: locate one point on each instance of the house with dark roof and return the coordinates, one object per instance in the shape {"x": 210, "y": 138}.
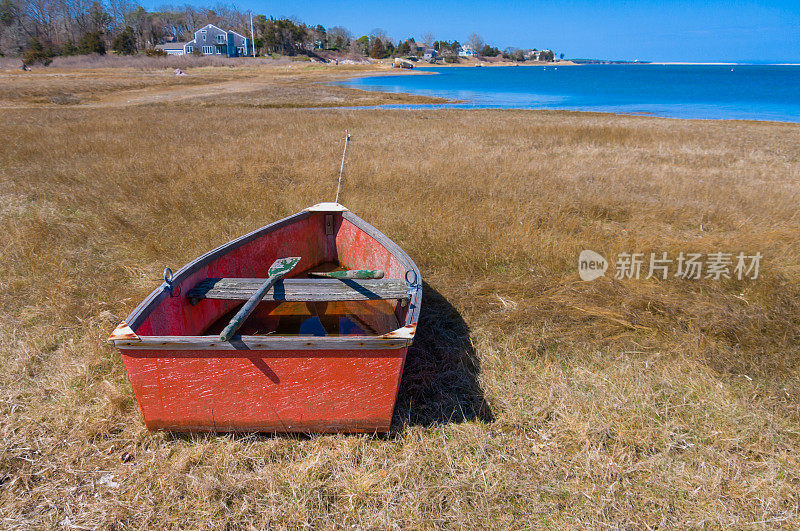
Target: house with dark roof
{"x": 211, "y": 40}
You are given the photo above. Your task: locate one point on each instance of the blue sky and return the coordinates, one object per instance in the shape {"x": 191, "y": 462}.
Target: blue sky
{"x": 666, "y": 30}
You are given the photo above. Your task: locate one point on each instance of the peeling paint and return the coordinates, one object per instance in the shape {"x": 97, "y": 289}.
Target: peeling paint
{"x": 407, "y": 332}
{"x": 123, "y": 331}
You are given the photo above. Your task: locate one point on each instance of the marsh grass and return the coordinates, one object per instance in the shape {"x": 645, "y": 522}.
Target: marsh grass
{"x": 208, "y": 81}
{"x": 530, "y": 399}
{"x": 142, "y": 62}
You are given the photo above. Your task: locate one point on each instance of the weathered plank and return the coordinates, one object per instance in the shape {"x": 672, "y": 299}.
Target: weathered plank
{"x": 277, "y": 271}
{"x": 282, "y": 343}
{"x": 300, "y": 289}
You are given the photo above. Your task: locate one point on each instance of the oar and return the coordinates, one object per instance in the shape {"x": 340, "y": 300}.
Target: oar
{"x": 277, "y": 270}
{"x": 352, "y": 273}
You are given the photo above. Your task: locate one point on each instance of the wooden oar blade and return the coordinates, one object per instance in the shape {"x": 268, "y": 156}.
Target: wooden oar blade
{"x": 281, "y": 266}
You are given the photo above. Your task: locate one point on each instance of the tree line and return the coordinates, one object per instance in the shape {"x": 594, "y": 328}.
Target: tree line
{"x": 39, "y": 30}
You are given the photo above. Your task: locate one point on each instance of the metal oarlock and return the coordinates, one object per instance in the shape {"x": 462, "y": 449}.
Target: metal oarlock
{"x": 168, "y": 277}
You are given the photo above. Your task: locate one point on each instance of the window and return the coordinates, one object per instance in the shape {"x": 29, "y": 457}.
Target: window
{"x": 204, "y": 34}
{"x": 208, "y": 49}
{"x": 221, "y": 38}
{"x": 240, "y": 49}
{"x": 189, "y": 49}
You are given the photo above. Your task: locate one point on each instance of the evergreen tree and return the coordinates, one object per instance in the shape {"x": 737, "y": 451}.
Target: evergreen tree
{"x": 378, "y": 50}
{"x": 404, "y": 48}
{"x": 363, "y": 44}
{"x": 92, "y": 43}
{"x": 125, "y": 42}
{"x": 489, "y": 51}
{"x": 69, "y": 48}
{"x": 37, "y": 53}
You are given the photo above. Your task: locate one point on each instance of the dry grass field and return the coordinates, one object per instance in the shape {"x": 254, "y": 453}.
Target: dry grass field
{"x": 529, "y": 399}
{"x": 120, "y": 81}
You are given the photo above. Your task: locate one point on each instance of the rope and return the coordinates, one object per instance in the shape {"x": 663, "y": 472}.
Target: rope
{"x": 341, "y": 168}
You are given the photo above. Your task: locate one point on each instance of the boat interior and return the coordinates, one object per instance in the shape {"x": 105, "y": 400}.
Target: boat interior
{"x": 316, "y": 307}
{"x": 205, "y": 294}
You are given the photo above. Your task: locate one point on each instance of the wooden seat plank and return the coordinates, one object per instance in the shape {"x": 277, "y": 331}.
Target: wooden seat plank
{"x": 301, "y": 289}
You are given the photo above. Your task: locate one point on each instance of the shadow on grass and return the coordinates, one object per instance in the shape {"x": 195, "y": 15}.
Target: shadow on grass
{"x": 440, "y": 378}
{"x": 439, "y": 383}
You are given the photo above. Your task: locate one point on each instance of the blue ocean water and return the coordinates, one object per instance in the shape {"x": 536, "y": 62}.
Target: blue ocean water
{"x": 748, "y": 92}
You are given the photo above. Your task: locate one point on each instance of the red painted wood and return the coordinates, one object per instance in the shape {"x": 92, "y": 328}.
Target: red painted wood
{"x": 300, "y": 391}
{"x": 243, "y": 390}
{"x": 357, "y": 250}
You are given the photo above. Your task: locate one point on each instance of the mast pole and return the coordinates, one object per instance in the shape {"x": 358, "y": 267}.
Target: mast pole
{"x": 341, "y": 168}
{"x": 252, "y": 36}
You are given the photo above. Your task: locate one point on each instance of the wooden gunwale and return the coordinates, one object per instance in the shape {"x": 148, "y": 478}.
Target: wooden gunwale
{"x": 412, "y": 318}
{"x": 396, "y": 339}
{"x": 140, "y": 313}
{"x": 261, "y": 343}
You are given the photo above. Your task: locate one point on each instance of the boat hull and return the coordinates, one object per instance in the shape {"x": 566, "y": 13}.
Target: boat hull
{"x": 339, "y": 371}
{"x": 350, "y": 391}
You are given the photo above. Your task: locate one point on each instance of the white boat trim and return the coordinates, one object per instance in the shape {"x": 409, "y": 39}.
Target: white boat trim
{"x": 327, "y": 207}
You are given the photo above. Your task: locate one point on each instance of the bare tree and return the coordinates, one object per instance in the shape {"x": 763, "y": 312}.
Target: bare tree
{"x": 175, "y": 26}
{"x": 42, "y": 15}
{"x": 120, "y": 10}
{"x": 476, "y": 42}
{"x": 139, "y": 20}
{"x": 231, "y": 18}
{"x": 13, "y": 33}
{"x": 379, "y": 33}
{"x": 339, "y": 37}
{"x": 428, "y": 38}
{"x": 75, "y": 13}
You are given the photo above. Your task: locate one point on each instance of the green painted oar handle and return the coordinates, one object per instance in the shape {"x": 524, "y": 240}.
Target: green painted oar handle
{"x": 245, "y": 311}
{"x": 352, "y": 273}
{"x": 277, "y": 271}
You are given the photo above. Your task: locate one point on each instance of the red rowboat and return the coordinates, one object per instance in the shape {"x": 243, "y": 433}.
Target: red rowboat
{"x": 316, "y": 354}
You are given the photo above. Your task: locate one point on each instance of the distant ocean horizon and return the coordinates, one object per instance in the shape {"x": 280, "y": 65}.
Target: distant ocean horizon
{"x": 699, "y": 91}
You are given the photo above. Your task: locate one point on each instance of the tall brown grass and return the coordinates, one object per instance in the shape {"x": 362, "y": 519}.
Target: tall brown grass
{"x": 215, "y": 81}
{"x": 530, "y": 398}
{"x": 144, "y": 62}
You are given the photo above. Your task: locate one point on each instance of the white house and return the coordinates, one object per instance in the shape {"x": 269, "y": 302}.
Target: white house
{"x": 466, "y": 50}
{"x": 539, "y": 55}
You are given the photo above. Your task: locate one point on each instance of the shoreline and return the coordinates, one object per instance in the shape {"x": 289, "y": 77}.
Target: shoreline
{"x": 469, "y": 63}
{"x": 681, "y": 63}
{"x": 451, "y": 104}
{"x": 454, "y": 107}
{"x": 497, "y": 64}
{"x": 291, "y": 85}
